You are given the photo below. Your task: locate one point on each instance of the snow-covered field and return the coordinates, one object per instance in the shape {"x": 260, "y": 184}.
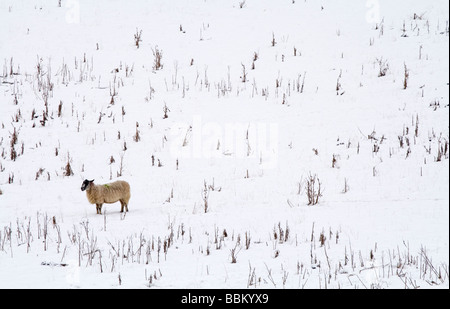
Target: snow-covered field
{"x": 219, "y": 139}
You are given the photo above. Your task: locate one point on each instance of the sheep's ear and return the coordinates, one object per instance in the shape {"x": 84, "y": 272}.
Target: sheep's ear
{"x": 91, "y": 180}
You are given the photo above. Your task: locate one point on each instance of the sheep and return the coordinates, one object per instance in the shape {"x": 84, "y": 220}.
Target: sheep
{"x": 107, "y": 193}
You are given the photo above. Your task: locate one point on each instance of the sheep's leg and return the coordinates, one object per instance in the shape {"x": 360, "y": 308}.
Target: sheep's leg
{"x": 124, "y": 205}
{"x": 99, "y": 209}
{"x": 126, "y": 200}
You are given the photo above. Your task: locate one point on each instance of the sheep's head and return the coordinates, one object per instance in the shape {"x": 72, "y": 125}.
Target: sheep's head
{"x": 86, "y": 184}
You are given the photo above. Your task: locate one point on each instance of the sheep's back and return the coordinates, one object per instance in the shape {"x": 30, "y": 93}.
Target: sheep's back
{"x": 115, "y": 191}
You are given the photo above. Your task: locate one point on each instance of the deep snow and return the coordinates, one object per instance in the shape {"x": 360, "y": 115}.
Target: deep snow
{"x": 251, "y": 144}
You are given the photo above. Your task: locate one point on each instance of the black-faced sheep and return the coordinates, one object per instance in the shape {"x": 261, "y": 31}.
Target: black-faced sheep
{"x": 107, "y": 193}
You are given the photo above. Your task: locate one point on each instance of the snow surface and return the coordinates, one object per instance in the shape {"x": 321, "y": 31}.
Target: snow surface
{"x": 252, "y": 141}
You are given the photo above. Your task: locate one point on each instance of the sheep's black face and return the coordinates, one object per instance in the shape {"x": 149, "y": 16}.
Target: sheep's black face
{"x": 86, "y": 184}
